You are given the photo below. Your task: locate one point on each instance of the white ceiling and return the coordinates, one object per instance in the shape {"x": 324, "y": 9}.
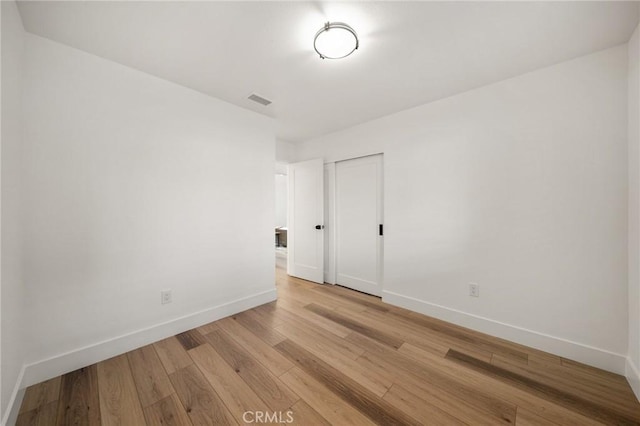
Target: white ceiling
{"x": 410, "y": 52}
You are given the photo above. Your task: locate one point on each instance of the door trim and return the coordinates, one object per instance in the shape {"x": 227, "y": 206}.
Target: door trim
{"x": 330, "y": 259}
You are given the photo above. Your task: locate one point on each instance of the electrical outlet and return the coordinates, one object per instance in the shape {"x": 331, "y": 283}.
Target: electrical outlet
{"x": 474, "y": 290}
{"x": 165, "y": 297}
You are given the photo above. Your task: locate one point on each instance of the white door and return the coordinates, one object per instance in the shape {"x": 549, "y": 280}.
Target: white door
{"x": 306, "y": 221}
{"x": 359, "y": 222}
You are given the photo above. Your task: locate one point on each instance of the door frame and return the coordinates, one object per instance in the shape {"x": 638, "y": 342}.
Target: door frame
{"x": 330, "y": 252}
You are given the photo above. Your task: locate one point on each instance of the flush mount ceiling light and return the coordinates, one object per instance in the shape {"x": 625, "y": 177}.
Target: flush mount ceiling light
{"x": 335, "y": 40}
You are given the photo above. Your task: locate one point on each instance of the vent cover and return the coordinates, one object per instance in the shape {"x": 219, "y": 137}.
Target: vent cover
{"x": 259, "y": 99}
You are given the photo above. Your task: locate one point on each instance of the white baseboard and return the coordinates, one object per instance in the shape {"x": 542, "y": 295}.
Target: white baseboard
{"x": 11, "y": 415}
{"x": 586, "y": 354}
{"x": 63, "y": 363}
{"x": 632, "y": 374}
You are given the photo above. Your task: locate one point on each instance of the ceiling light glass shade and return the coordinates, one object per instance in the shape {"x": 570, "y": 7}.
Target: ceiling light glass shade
{"x": 335, "y": 40}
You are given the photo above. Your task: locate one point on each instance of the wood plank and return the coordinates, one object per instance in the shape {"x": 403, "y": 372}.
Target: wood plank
{"x": 79, "y": 402}
{"x": 417, "y": 408}
{"x": 368, "y": 299}
{"x": 553, "y": 369}
{"x": 44, "y": 415}
{"x": 302, "y": 414}
{"x": 286, "y": 308}
{"x": 296, "y": 282}
{"x": 424, "y": 338}
{"x": 457, "y": 405}
{"x": 149, "y": 375}
{"x": 363, "y": 329}
{"x": 167, "y": 412}
{"x": 200, "y": 401}
{"x": 341, "y": 293}
{"x": 238, "y": 397}
{"x": 486, "y": 386}
{"x": 119, "y": 403}
{"x": 429, "y": 379}
{"x": 265, "y": 318}
{"x": 593, "y": 371}
{"x": 591, "y": 391}
{"x": 525, "y": 417}
{"x": 447, "y": 398}
{"x": 41, "y": 394}
{"x": 190, "y": 339}
{"x": 326, "y": 300}
{"x": 370, "y": 365}
{"x": 378, "y": 410}
{"x": 542, "y": 358}
{"x": 374, "y": 380}
{"x": 405, "y": 332}
{"x": 251, "y": 322}
{"x": 544, "y": 391}
{"x": 172, "y": 354}
{"x": 208, "y": 328}
{"x": 323, "y": 400}
{"x": 298, "y": 325}
{"x": 477, "y": 339}
{"x": 258, "y": 348}
{"x": 331, "y": 300}
{"x": 271, "y": 390}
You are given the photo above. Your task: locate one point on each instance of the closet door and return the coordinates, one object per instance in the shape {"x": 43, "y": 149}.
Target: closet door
{"x": 359, "y": 241}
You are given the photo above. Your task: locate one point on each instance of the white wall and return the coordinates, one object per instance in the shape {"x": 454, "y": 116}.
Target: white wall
{"x": 285, "y": 152}
{"x": 134, "y": 185}
{"x": 281, "y": 196}
{"x": 12, "y": 341}
{"x": 521, "y": 187}
{"x": 633, "y": 364}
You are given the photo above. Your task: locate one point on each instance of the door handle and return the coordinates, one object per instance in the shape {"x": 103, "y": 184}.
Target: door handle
{"x": 319, "y": 226}
{"x": 380, "y": 230}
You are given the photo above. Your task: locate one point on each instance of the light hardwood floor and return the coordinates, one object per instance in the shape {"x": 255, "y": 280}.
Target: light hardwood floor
{"x": 327, "y": 355}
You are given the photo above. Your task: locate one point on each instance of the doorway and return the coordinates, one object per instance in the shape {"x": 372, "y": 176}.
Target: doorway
{"x": 281, "y": 216}
{"x": 336, "y": 220}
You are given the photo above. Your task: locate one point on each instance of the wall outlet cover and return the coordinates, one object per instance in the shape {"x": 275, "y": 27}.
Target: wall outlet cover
{"x": 165, "y": 297}
{"x": 474, "y": 290}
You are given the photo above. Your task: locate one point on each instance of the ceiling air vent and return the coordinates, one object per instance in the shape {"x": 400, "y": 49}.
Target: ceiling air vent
{"x": 259, "y": 99}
